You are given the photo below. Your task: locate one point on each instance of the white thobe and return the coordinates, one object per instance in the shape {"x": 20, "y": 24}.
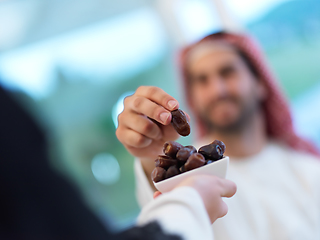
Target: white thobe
{"x": 278, "y": 196}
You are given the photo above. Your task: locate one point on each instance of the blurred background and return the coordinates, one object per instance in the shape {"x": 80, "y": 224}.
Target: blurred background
{"x": 71, "y": 63}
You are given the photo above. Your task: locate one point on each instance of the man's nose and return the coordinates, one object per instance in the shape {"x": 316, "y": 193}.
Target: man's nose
{"x": 217, "y": 86}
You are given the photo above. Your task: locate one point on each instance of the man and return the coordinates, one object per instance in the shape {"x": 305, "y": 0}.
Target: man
{"x": 235, "y": 99}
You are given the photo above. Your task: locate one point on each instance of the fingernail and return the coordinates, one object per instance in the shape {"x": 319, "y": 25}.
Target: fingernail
{"x": 172, "y": 104}
{"x": 164, "y": 116}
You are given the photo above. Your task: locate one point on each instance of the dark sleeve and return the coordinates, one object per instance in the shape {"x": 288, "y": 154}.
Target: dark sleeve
{"x": 35, "y": 201}
{"x": 152, "y": 231}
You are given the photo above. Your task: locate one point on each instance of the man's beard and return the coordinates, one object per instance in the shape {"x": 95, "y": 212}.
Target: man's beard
{"x": 247, "y": 112}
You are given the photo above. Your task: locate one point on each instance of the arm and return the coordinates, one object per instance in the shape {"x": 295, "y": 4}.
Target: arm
{"x": 179, "y": 212}
{"x": 191, "y": 207}
{"x": 144, "y": 125}
{"x": 144, "y": 189}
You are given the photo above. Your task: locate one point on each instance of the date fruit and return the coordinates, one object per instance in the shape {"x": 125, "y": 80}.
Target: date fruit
{"x": 209, "y": 161}
{"x": 182, "y": 169}
{"x": 165, "y": 161}
{"x": 194, "y": 161}
{"x": 184, "y": 153}
{"x": 211, "y": 151}
{"x": 172, "y": 171}
{"x": 180, "y": 122}
{"x": 158, "y": 174}
{"x": 221, "y": 144}
{"x": 171, "y": 148}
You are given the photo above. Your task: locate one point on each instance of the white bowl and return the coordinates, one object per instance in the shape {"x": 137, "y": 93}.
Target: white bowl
{"x": 218, "y": 168}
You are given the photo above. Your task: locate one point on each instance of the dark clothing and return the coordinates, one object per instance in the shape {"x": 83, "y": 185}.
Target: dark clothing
{"x": 35, "y": 201}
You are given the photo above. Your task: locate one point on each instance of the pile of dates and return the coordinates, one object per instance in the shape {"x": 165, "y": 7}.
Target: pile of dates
{"x": 179, "y": 159}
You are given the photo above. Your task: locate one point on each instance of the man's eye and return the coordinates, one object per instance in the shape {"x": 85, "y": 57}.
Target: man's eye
{"x": 227, "y": 71}
{"x": 201, "y": 80}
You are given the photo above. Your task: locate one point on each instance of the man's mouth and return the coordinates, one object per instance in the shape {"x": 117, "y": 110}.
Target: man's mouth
{"x": 223, "y": 104}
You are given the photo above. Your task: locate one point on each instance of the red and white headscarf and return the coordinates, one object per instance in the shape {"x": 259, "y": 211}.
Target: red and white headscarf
{"x": 276, "y": 108}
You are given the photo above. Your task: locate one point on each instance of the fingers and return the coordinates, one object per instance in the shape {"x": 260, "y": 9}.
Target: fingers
{"x": 158, "y": 96}
{"x": 212, "y": 189}
{"x": 148, "y": 108}
{"x": 228, "y": 188}
{"x": 156, "y": 194}
{"x": 131, "y": 138}
{"x": 223, "y": 209}
{"x": 152, "y": 102}
{"x": 143, "y": 125}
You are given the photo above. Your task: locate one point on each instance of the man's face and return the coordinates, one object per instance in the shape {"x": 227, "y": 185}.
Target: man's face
{"x": 224, "y": 92}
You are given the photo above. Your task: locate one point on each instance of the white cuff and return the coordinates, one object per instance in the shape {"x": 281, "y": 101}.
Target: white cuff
{"x": 180, "y": 212}
{"x": 144, "y": 192}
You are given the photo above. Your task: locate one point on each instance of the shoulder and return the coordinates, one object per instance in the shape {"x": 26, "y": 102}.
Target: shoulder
{"x": 301, "y": 158}
{"x": 305, "y": 165}
{"x": 297, "y": 156}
